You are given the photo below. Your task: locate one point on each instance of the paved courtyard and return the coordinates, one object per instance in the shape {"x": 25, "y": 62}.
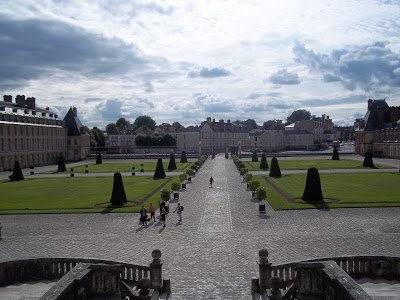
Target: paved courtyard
{"x": 213, "y": 254}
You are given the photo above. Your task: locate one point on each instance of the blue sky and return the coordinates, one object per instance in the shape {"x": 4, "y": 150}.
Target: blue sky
{"x": 183, "y": 60}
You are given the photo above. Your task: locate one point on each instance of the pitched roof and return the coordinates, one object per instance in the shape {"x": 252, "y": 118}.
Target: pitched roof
{"x": 72, "y": 122}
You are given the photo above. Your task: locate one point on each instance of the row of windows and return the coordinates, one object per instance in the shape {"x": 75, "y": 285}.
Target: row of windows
{"x": 207, "y": 135}
{"x": 26, "y": 119}
{"x": 22, "y": 144}
{"x": 30, "y": 130}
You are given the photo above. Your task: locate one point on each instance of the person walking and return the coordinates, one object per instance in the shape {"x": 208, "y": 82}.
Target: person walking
{"x": 163, "y": 216}
{"x": 179, "y": 210}
{"x": 211, "y": 181}
{"x": 152, "y": 211}
{"x": 143, "y": 216}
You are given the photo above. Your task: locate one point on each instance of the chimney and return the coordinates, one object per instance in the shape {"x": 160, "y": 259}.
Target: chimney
{"x": 75, "y": 111}
{"x": 47, "y": 108}
{"x": 7, "y": 98}
{"x": 213, "y": 120}
{"x": 370, "y": 104}
{"x": 208, "y": 119}
{"x": 20, "y": 100}
{"x": 221, "y": 121}
{"x": 30, "y": 102}
{"x": 323, "y": 117}
{"x": 229, "y": 121}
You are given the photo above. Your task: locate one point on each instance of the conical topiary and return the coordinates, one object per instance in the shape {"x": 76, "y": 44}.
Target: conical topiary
{"x": 368, "y": 162}
{"x": 61, "y": 164}
{"x": 183, "y": 157}
{"x": 335, "y": 154}
{"x": 118, "y": 196}
{"x": 254, "y": 157}
{"x": 172, "y": 164}
{"x": 264, "y": 162}
{"x": 16, "y": 172}
{"x": 99, "y": 159}
{"x": 312, "y": 190}
{"x": 159, "y": 172}
{"x": 275, "y": 171}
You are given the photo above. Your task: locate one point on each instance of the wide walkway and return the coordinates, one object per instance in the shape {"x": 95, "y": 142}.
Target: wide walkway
{"x": 213, "y": 254}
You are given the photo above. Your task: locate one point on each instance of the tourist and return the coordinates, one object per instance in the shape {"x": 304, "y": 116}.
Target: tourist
{"x": 166, "y": 206}
{"x": 143, "y": 216}
{"x": 152, "y": 211}
{"x": 163, "y": 216}
{"x": 211, "y": 181}
{"x": 179, "y": 210}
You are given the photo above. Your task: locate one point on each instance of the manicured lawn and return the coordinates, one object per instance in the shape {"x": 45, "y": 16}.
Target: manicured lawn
{"x": 339, "y": 190}
{"x": 125, "y": 167}
{"x": 76, "y": 195}
{"x": 321, "y": 164}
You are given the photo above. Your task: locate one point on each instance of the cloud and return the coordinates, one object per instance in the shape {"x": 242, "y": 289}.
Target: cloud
{"x": 210, "y": 73}
{"x": 148, "y": 87}
{"x": 146, "y": 102}
{"x": 213, "y": 104}
{"x": 34, "y": 48}
{"x": 334, "y": 101}
{"x": 92, "y": 99}
{"x": 284, "y": 77}
{"x": 369, "y": 67}
{"x": 259, "y": 95}
{"x": 110, "y": 111}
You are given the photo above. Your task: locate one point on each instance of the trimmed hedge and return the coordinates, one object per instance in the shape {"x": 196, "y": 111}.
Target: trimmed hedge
{"x": 16, "y": 172}
{"x": 275, "y": 169}
{"x": 254, "y": 157}
{"x": 183, "y": 157}
{"x": 99, "y": 159}
{"x": 312, "y": 190}
{"x": 368, "y": 162}
{"x": 264, "y": 162}
{"x": 61, "y": 164}
{"x": 335, "y": 154}
{"x": 159, "y": 172}
{"x": 171, "y": 164}
{"x": 118, "y": 196}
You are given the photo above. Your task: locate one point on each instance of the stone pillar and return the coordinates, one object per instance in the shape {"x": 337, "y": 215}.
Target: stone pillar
{"x": 265, "y": 269}
{"x": 275, "y": 293}
{"x": 156, "y": 270}
{"x": 105, "y": 280}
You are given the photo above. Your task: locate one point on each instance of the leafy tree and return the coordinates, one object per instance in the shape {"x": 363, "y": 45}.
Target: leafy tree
{"x": 165, "y": 193}
{"x": 145, "y": 121}
{"x": 99, "y": 159}
{"x": 175, "y": 186}
{"x": 16, "y": 172}
{"x": 368, "y": 162}
{"x": 178, "y": 126}
{"x": 167, "y": 140}
{"x": 253, "y": 185}
{"x": 61, "y": 164}
{"x": 111, "y": 129}
{"x": 121, "y": 122}
{"x": 312, "y": 190}
{"x": 118, "y": 196}
{"x": 183, "y": 157}
{"x": 261, "y": 193}
{"x": 273, "y": 125}
{"x": 335, "y": 153}
{"x": 97, "y": 138}
{"x": 172, "y": 164}
{"x": 264, "y": 162}
{"x": 251, "y": 124}
{"x": 159, "y": 172}
{"x": 275, "y": 171}
{"x": 299, "y": 115}
{"x": 254, "y": 157}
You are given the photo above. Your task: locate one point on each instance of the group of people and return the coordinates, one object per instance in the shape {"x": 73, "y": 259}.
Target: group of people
{"x": 164, "y": 210}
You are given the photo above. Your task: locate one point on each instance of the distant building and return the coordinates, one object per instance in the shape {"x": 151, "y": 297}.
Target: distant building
{"x": 379, "y": 131}
{"x": 188, "y": 139}
{"x": 121, "y": 143}
{"x": 36, "y": 136}
{"x": 320, "y": 127}
{"x": 280, "y": 140}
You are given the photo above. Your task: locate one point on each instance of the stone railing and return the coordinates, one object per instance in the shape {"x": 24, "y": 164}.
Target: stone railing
{"x": 356, "y": 267}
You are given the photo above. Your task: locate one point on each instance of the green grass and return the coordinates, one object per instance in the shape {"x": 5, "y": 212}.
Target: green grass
{"x": 321, "y": 164}
{"x": 76, "y": 194}
{"x": 339, "y": 190}
{"x": 124, "y": 167}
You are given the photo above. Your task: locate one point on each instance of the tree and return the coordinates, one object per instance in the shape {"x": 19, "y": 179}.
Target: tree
{"x": 61, "y": 164}
{"x": 299, "y": 115}
{"x": 273, "y": 125}
{"x": 121, "y": 122}
{"x": 99, "y": 159}
{"x": 251, "y": 124}
{"x": 118, "y": 196}
{"x": 275, "y": 170}
{"x": 16, "y": 172}
{"x": 159, "y": 172}
{"x": 178, "y": 126}
{"x": 145, "y": 121}
{"x": 183, "y": 157}
{"x": 264, "y": 162}
{"x": 254, "y": 157}
{"x": 312, "y": 190}
{"x": 261, "y": 193}
{"x": 97, "y": 138}
{"x": 335, "y": 153}
{"x": 172, "y": 164}
{"x": 111, "y": 129}
{"x": 167, "y": 140}
{"x": 368, "y": 162}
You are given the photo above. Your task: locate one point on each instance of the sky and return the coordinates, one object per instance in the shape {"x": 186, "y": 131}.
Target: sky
{"x": 185, "y": 60}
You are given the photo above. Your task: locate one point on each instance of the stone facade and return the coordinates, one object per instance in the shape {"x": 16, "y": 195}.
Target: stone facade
{"x": 188, "y": 139}
{"x": 121, "y": 143}
{"x": 379, "y": 131}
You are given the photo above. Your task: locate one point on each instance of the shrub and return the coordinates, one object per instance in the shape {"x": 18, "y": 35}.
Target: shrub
{"x": 253, "y": 185}
{"x": 254, "y": 157}
{"x": 183, "y": 157}
{"x": 226, "y": 155}
{"x": 275, "y": 171}
{"x": 175, "y": 186}
{"x": 182, "y": 177}
{"x": 368, "y": 162}
{"x": 312, "y": 190}
{"x": 118, "y": 196}
{"x": 261, "y": 193}
{"x": 165, "y": 193}
{"x": 99, "y": 159}
{"x": 172, "y": 164}
{"x": 159, "y": 172}
{"x": 197, "y": 163}
{"x": 264, "y": 162}
{"x": 335, "y": 154}
{"x": 61, "y": 164}
{"x": 248, "y": 177}
{"x": 190, "y": 172}
{"x": 243, "y": 171}
{"x": 16, "y": 172}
